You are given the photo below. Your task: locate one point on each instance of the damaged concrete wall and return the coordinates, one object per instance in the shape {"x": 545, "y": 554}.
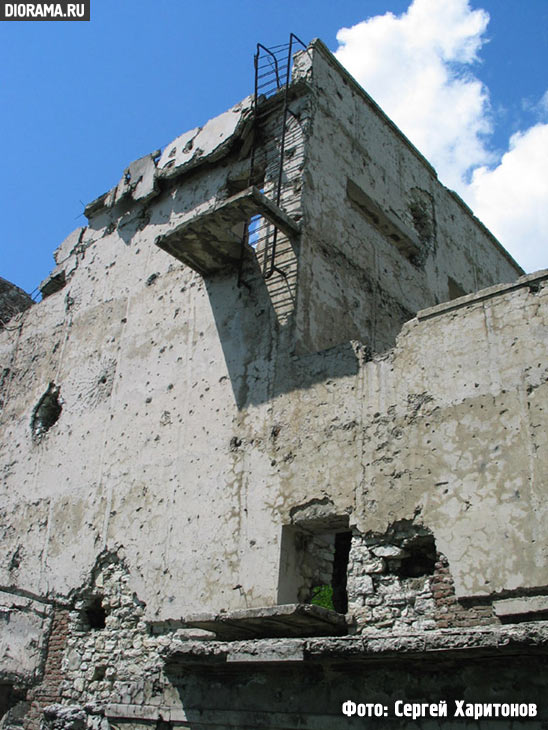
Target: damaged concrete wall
{"x": 25, "y": 627}
{"x": 187, "y": 423}
{"x": 382, "y": 238}
{"x": 136, "y": 451}
{"x": 176, "y": 395}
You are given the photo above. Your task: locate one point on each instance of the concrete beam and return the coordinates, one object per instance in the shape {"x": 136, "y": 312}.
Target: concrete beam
{"x": 293, "y": 619}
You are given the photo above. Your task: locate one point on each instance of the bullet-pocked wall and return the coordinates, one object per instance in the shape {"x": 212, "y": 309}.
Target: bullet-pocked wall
{"x": 159, "y": 410}
{"x": 149, "y": 366}
{"x": 382, "y": 238}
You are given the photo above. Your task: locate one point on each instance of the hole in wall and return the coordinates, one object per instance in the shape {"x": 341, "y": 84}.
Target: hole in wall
{"x": 47, "y": 412}
{"x": 94, "y": 613}
{"x": 421, "y": 558}
{"x": 99, "y": 672}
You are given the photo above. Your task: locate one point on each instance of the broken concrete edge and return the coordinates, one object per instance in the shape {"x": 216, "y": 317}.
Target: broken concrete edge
{"x": 53, "y": 283}
{"x": 289, "y": 620}
{"x": 166, "y": 174}
{"x": 285, "y": 620}
{"x": 69, "y": 244}
{"x": 371, "y": 646}
{"x": 527, "y": 281}
{"x": 96, "y": 205}
{"x": 520, "y": 606}
{"x": 318, "y": 44}
{"x": 163, "y": 172}
{"x": 284, "y": 609}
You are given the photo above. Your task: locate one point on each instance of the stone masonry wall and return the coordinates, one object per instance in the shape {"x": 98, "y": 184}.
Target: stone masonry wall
{"x": 110, "y": 655}
{"x": 400, "y": 581}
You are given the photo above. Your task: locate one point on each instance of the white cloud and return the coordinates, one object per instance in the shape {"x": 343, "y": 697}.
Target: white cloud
{"x": 418, "y": 67}
{"x": 512, "y": 198}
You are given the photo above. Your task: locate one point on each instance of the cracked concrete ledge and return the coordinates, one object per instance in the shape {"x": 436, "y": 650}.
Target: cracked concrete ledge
{"x": 287, "y": 620}
{"x": 370, "y": 646}
{"x": 207, "y": 144}
{"x": 488, "y": 293}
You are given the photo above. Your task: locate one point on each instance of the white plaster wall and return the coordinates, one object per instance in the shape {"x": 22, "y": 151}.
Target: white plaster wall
{"x": 353, "y": 280}
{"x": 192, "y": 429}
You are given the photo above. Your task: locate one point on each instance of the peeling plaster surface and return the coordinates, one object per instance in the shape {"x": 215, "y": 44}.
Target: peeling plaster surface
{"x": 25, "y": 623}
{"x": 201, "y": 420}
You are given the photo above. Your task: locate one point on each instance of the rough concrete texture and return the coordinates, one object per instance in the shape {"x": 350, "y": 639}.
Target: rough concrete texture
{"x": 13, "y": 301}
{"x": 403, "y": 234}
{"x": 176, "y": 442}
{"x": 26, "y": 625}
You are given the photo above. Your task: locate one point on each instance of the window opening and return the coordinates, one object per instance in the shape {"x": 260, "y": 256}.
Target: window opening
{"x": 313, "y": 567}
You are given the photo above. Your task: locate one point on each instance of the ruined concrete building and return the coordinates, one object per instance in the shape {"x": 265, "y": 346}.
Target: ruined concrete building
{"x": 275, "y": 438}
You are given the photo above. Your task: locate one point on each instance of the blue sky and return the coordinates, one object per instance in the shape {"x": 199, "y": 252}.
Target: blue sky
{"x": 81, "y": 100}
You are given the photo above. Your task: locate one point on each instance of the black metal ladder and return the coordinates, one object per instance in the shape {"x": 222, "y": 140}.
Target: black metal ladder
{"x": 272, "y": 74}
